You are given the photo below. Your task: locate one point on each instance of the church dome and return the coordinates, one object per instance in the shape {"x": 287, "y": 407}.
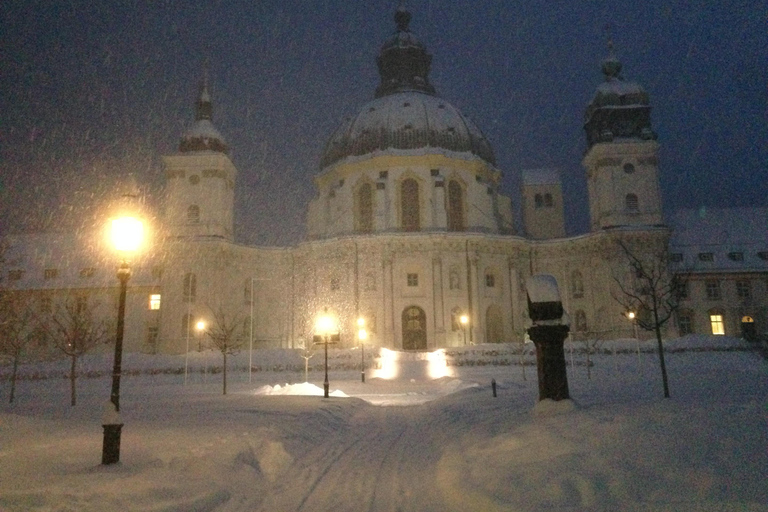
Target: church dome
{"x": 406, "y": 115}
{"x": 409, "y": 121}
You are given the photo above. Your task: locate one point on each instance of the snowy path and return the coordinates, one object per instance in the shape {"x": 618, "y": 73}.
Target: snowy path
{"x": 384, "y": 460}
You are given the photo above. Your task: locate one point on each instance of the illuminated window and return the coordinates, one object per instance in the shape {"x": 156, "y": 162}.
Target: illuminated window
{"x": 744, "y": 289}
{"x": 718, "y": 327}
{"x": 412, "y": 279}
{"x": 713, "y": 290}
{"x": 154, "y": 301}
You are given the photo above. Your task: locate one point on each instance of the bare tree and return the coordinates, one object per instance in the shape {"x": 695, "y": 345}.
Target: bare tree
{"x": 651, "y": 291}
{"x": 75, "y": 331}
{"x": 17, "y": 331}
{"x": 224, "y": 335}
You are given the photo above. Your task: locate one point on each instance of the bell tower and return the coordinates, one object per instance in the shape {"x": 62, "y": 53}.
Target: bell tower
{"x": 621, "y": 160}
{"x": 200, "y": 179}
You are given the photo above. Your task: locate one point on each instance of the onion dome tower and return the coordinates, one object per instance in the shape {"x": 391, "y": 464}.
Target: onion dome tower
{"x": 621, "y": 158}
{"x": 408, "y": 160}
{"x": 200, "y": 179}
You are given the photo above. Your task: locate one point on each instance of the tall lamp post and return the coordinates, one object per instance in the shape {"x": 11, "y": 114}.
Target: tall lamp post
{"x": 362, "y": 335}
{"x": 326, "y": 333}
{"x": 464, "y": 320}
{"x": 127, "y": 234}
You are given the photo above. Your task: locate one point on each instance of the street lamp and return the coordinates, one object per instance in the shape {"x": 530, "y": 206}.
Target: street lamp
{"x": 632, "y": 317}
{"x": 464, "y": 320}
{"x": 127, "y": 234}
{"x": 326, "y": 332}
{"x": 362, "y": 335}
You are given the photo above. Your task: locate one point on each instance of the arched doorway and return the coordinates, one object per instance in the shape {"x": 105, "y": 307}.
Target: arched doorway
{"x": 414, "y": 328}
{"x": 494, "y": 325}
{"x": 748, "y": 331}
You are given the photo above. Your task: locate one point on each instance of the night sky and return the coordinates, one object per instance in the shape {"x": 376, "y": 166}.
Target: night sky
{"x": 91, "y": 91}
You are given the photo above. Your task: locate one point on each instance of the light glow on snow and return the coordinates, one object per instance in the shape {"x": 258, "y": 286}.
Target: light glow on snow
{"x": 437, "y": 366}
{"x": 390, "y": 368}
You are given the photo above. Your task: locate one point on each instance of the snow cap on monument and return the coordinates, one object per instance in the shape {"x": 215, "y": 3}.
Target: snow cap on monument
{"x": 544, "y": 302}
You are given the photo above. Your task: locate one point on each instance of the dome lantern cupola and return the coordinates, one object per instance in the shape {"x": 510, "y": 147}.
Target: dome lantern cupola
{"x": 203, "y": 135}
{"x": 619, "y": 109}
{"x": 403, "y": 60}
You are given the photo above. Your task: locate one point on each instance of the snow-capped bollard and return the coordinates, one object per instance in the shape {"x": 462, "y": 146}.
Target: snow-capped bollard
{"x": 493, "y": 387}
{"x": 550, "y": 326}
{"x": 110, "y": 452}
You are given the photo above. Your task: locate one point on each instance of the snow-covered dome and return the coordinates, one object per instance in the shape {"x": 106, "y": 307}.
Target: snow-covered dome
{"x": 202, "y": 135}
{"x": 619, "y": 109}
{"x": 406, "y": 114}
{"x": 406, "y": 121}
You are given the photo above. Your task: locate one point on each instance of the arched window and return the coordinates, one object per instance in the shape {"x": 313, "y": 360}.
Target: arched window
{"x": 577, "y": 285}
{"x": 364, "y": 215}
{"x": 580, "y": 321}
{"x": 193, "y": 214}
{"x": 190, "y": 287}
{"x": 409, "y": 205}
{"x": 630, "y": 203}
{"x": 455, "y": 206}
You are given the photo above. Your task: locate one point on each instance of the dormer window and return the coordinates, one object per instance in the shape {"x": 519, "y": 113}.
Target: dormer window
{"x": 676, "y": 257}
{"x": 706, "y": 256}
{"x": 736, "y": 256}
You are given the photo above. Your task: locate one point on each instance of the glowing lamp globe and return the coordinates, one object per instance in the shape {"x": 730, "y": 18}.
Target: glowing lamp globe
{"x": 200, "y": 325}
{"x": 464, "y": 319}
{"x": 127, "y": 234}
{"x": 325, "y": 325}
{"x": 362, "y": 334}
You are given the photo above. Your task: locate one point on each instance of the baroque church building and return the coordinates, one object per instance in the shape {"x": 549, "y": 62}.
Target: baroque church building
{"x": 408, "y": 229}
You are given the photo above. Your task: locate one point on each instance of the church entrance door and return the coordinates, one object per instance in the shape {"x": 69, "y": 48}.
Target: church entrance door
{"x": 414, "y": 328}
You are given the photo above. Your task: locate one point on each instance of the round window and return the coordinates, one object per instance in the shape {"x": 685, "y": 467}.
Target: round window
{"x": 194, "y": 179}
{"x": 629, "y": 168}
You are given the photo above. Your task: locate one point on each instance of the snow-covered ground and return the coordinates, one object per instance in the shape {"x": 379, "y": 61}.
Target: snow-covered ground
{"x": 408, "y": 444}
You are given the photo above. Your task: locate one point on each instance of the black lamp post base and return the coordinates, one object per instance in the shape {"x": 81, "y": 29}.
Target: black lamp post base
{"x": 110, "y": 453}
